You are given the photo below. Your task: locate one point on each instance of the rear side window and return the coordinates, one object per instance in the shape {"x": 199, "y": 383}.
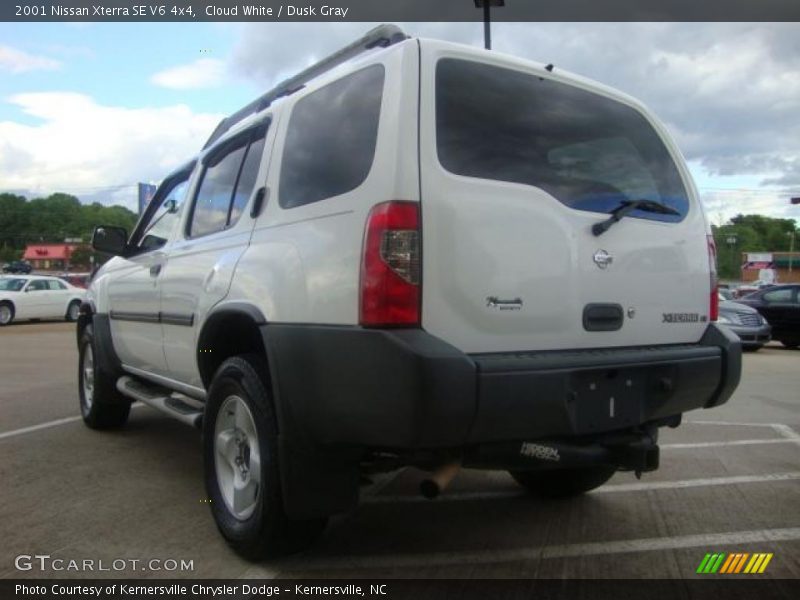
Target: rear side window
{"x": 331, "y": 137}
{"x": 228, "y": 181}
{"x": 56, "y": 285}
{"x": 589, "y": 152}
{"x": 782, "y": 295}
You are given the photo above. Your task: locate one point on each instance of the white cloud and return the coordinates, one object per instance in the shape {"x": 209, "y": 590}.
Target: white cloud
{"x": 18, "y": 61}
{"x": 83, "y": 147}
{"x": 202, "y": 73}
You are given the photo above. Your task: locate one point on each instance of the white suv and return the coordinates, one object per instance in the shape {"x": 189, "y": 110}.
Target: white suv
{"x": 413, "y": 253}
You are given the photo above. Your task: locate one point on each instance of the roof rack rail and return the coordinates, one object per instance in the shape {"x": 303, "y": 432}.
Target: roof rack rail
{"x": 381, "y": 36}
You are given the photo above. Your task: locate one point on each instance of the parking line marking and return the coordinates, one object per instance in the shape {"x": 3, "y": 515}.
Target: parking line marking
{"x": 24, "y": 430}
{"x": 47, "y": 425}
{"x": 786, "y": 431}
{"x": 544, "y": 552}
{"x": 607, "y": 489}
{"x": 783, "y": 440}
{"x": 732, "y": 423}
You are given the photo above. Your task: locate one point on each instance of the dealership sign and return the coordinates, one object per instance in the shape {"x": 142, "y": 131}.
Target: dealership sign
{"x": 758, "y": 260}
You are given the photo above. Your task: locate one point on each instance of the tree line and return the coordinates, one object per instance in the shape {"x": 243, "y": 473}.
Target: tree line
{"x": 59, "y": 216}
{"x": 751, "y": 233}
{"x": 52, "y": 219}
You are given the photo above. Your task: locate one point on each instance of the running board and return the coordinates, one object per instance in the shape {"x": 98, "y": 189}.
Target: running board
{"x": 177, "y": 407}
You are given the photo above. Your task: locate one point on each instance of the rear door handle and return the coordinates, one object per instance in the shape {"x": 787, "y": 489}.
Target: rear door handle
{"x": 155, "y": 270}
{"x": 262, "y": 195}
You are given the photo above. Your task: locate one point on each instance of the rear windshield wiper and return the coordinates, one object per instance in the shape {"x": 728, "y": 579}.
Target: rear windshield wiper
{"x": 628, "y": 206}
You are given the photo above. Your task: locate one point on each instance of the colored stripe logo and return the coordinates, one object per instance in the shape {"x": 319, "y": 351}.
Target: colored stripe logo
{"x": 735, "y": 562}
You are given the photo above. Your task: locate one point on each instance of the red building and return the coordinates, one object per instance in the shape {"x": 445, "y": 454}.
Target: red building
{"x": 49, "y": 257}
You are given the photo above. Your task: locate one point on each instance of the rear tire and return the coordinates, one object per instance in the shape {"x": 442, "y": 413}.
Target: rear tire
{"x": 6, "y": 313}
{"x": 102, "y": 406}
{"x": 791, "y": 345}
{"x": 242, "y": 470}
{"x": 73, "y": 311}
{"x": 563, "y": 483}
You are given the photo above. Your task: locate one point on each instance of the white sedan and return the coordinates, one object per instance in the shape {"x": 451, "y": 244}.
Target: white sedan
{"x": 38, "y": 297}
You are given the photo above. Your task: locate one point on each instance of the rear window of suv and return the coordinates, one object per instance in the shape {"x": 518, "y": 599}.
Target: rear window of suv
{"x": 587, "y": 151}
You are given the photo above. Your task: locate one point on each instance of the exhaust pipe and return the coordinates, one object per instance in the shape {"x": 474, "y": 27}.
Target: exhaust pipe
{"x": 434, "y": 485}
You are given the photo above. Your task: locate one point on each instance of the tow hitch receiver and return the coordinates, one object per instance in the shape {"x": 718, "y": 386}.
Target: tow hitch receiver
{"x": 630, "y": 453}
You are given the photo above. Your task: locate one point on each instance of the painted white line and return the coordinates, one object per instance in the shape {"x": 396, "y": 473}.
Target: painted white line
{"x": 482, "y": 557}
{"x": 24, "y": 430}
{"x": 642, "y": 486}
{"x": 731, "y": 423}
{"x": 47, "y": 425}
{"x": 782, "y": 440}
{"x": 786, "y": 431}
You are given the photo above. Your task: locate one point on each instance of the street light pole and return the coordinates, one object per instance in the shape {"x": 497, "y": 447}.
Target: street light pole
{"x": 487, "y": 19}
{"x": 791, "y": 250}
{"x": 732, "y": 243}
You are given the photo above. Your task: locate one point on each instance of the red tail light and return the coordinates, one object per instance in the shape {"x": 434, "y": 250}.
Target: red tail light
{"x": 390, "y": 266}
{"x": 713, "y": 309}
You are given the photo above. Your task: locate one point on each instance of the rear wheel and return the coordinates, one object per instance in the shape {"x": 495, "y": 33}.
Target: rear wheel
{"x": 6, "y": 313}
{"x": 242, "y": 471}
{"x": 562, "y": 483}
{"x": 102, "y": 406}
{"x": 73, "y": 311}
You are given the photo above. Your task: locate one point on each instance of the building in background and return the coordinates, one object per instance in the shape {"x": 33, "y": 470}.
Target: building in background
{"x": 49, "y": 257}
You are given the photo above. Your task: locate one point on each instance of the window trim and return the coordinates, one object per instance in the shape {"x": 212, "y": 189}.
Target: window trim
{"x": 216, "y": 155}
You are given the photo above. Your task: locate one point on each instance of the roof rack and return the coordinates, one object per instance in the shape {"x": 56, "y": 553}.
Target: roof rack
{"x": 381, "y": 36}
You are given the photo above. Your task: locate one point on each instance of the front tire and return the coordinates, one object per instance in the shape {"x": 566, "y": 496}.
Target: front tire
{"x": 242, "y": 470}
{"x": 6, "y": 313}
{"x": 102, "y": 406}
{"x": 563, "y": 483}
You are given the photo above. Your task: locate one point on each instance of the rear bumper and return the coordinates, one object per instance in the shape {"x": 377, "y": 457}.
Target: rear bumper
{"x": 406, "y": 389}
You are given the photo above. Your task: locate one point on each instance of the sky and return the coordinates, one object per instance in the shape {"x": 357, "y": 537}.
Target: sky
{"x": 92, "y": 109}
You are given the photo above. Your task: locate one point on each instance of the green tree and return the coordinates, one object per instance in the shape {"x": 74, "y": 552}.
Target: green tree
{"x": 750, "y": 233}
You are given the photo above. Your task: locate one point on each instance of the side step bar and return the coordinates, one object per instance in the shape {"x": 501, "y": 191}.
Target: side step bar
{"x": 161, "y": 399}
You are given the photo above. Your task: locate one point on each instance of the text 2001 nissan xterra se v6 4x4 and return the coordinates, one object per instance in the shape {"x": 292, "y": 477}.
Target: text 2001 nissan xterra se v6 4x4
{"x": 412, "y": 253}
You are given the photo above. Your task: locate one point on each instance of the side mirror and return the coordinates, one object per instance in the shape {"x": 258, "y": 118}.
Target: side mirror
{"x": 110, "y": 239}
{"x": 171, "y": 206}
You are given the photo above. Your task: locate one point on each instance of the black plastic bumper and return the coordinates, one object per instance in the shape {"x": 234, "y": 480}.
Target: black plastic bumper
{"x": 406, "y": 389}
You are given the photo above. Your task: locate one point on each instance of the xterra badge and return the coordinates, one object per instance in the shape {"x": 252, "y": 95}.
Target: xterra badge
{"x": 684, "y": 318}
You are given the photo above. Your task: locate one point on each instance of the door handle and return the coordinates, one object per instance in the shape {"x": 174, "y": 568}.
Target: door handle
{"x": 155, "y": 270}
{"x": 262, "y": 195}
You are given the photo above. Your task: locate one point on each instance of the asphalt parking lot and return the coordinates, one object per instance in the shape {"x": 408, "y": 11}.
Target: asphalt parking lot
{"x": 729, "y": 482}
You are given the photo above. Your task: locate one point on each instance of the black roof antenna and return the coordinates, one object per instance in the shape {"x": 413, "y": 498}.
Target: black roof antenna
{"x": 549, "y": 68}
{"x": 381, "y": 36}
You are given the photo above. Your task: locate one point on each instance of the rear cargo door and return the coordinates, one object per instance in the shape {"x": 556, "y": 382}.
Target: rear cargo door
{"x": 516, "y": 166}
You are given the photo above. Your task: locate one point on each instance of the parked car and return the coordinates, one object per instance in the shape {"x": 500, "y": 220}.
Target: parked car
{"x": 18, "y": 266}
{"x": 347, "y": 280}
{"x": 80, "y": 280}
{"x": 37, "y": 297}
{"x": 753, "y": 330}
{"x": 780, "y": 305}
{"x": 753, "y": 286}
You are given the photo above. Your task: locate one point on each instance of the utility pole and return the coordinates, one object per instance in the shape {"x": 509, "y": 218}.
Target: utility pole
{"x": 791, "y": 249}
{"x": 487, "y": 19}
